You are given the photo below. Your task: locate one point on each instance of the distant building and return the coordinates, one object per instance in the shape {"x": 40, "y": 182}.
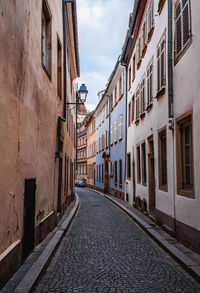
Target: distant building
{"x": 91, "y": 153}
{"x": 117, "y": 162}
{"x": 81, "y": 167}
{"x": 110, "y": 116}
{"x": 102, "y": 143}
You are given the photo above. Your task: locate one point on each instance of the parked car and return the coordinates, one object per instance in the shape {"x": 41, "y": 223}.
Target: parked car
{"x": 80, "y": 183}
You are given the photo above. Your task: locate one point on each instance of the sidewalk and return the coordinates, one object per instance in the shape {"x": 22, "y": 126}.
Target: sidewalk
{"x": 28, "y": 273}
{"x": 188, "y": 259}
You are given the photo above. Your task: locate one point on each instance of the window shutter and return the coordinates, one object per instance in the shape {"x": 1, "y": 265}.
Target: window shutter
{"x": 186, "y": 23}
{"x": 178, "y": 29}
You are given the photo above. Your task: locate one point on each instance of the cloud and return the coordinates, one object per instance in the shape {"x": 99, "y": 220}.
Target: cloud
{"x": 102, "y": 29}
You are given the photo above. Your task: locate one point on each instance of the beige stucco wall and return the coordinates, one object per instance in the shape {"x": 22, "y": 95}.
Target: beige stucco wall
{"x": 29, "y": 110}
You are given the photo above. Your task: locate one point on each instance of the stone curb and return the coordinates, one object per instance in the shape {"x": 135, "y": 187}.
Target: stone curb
{"x": 187, "y": 263}
{"x": 32, "y": 276}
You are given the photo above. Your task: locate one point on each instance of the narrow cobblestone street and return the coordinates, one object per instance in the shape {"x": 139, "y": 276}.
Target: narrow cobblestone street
{"x": 105, "y": 251}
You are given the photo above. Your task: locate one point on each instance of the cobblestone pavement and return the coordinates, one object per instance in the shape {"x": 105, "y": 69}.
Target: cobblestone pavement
{"x": 105, "y": 251}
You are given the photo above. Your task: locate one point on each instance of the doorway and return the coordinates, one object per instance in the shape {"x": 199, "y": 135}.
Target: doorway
{"x": 151, "y": 169}
{"x": 106, "y": 180}
{"x": 29, "y": 217}
{"x": 133, "y": 178}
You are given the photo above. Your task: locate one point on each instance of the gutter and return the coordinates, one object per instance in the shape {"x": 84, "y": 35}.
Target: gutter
{"x": 171, "y": 99}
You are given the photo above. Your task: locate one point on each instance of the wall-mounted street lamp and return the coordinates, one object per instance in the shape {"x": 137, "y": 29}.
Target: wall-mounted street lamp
{"x": 81, "y": 96}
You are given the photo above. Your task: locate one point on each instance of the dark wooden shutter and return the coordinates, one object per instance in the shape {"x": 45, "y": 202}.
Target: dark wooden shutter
{"x": 186, "y": 23}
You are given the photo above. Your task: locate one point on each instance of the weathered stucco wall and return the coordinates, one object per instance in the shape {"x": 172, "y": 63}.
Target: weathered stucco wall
{"x": 29, "y": 110}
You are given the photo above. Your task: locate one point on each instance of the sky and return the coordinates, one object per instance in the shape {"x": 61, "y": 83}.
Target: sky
{"x": 102, "y": 27}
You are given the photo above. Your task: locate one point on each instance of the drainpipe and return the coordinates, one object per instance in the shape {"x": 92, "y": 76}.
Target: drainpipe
{"x": 64, "y": 60}
{"x": 171, "y": 97}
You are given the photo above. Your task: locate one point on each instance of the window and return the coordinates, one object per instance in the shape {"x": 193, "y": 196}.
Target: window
{"x": 185, "y": 157}
{"x": 106, "y": 109}
{"x": 162, "y": 148}
{"x": 150, "y": 18}
{"x": 138, "y": 165}
{"x": 129, "y": 114}
{"x": 137, "y": 103}
{"x": 150, "y": 83}
{"x": 121, "y": 126}
{"x": 144, "y": 169}
{"x": 183, "y": 26}
{"x": 115, "y": 94}
{"x": 99, "y": 144}
{"x": 161, "y": 74}
{"x": 128, "y": 166}
{"x": 133, "y": 107}
{"x": 139, "y": 51}
{"x": 120, "y": 172}
{"x": 116, "y": 131}
{"x": 111, "y": 134}
{"x": 102, "y": 173}
{"x": 133, "y": 71}
{"x": 120, "y": 87}
{"x": 111, "y": 169}
{"x": 102, "y": 142}
{"x": 160, "y": 6}
{"x": 106, "y": 138}
{"x": 143, "y": 98}
{"x": 59, "y": 69}
{"x": 46, "y": 39}
{"x": 99, "y": 173}
{"x": 115, "y": 172}
{"x": 129, "y": 77}
{"x": 144, "y": 37}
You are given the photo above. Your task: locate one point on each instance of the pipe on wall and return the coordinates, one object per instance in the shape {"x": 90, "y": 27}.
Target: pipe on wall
{"x": 171, "y": 98}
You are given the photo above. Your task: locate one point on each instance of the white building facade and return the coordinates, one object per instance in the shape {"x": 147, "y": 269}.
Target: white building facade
{"x": 163, "y": 161}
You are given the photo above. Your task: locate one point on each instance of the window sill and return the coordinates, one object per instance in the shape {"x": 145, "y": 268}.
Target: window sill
{"x": 182, "y": 53}
{"x": 139, "y": 64}
{"x": 163, "y": 188}
{"x": 120, "y": 96}
{"x": 150, "y": 34}
{"x": 137, "y": 121}
{"x": 142, "y": 115}
{"x": 187, "y": 193}
{"x": 144, "y": 51}
{"x": 149, "y": 107}
{"x": 160, "y": 93}
{"x": 160, "y": 6}
{"x": 46, "y": 71}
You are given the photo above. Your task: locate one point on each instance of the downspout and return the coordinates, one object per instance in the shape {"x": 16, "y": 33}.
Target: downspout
{"x": 60, "y": 118}
{"x": 171, "y": 98}
{"x": 126, "y": 98}
{"x": 64, "y": 60}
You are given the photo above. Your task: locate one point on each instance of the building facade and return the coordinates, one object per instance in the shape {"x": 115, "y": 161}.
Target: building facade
{"x": 91, "y": 152}
{"x": 117, "y": 92}
{"x": 102, "y": 142}
{"x": 162, "y": 132}
{"x": 81, "y": 167}
{"x": 37, "y": 151}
